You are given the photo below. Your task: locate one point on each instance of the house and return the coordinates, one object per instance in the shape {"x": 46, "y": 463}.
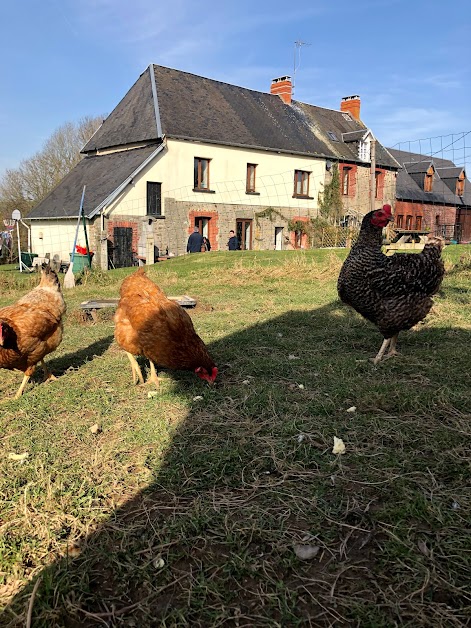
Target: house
{"x": 432, "y": 195}
{"x": 181, "y": 150}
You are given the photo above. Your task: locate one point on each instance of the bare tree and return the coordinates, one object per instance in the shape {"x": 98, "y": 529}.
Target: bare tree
{"x": 24, "y": 187}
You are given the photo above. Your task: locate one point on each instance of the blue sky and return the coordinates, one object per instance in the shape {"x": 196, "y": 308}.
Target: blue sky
{"x": 407, "y": 59}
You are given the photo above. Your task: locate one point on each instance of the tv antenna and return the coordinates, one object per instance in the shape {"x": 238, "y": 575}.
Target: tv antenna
{"x": 297, "y": 58}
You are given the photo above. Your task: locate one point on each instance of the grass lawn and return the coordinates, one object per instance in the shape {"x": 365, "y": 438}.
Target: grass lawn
{"x": 201, "y": 506}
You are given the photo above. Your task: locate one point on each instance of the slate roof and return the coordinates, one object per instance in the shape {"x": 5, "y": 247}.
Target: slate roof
{"x": 169, "y": 103}
{"x": 409, "y": 183}
{"x": 202, "y": 109}
{"x": 101, "y": 174}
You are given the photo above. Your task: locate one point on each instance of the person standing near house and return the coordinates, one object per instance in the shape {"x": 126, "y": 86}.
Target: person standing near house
{"x": 206, "y": 244}
{"x": 233, "y": 243}
{"x": 195, "y": 242}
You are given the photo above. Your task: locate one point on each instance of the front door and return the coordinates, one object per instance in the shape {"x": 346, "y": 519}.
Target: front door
{"x": 244, "y": 234}
{"x": 122, "y": 247}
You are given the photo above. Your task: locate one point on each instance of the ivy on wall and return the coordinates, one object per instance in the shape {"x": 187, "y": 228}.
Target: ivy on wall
{"x": 330, "y": 200}
{"x": 270, "y": 213}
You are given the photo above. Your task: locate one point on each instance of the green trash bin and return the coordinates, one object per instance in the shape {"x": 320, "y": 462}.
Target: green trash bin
{"x": 80, "y": 262}
{"x": 27, "y": 258}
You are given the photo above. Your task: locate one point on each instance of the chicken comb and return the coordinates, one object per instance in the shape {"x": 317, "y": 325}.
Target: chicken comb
{"x": 387, "y": 209}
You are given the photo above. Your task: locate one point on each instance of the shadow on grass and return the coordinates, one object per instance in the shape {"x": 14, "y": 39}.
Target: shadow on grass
{"x": 60, "y": 365}
{"x": 249, "y": 477}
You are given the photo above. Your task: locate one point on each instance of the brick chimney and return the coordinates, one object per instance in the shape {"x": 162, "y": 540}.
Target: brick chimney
{"x": 351, "y": 105}
{"x": 283, "y": 88}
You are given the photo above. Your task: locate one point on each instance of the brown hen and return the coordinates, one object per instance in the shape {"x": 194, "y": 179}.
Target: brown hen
{"x": 149, "y": 324}
{"x": 32, "y": 328}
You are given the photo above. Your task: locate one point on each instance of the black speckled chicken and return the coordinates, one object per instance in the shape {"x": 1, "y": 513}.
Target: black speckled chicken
{"x": 394, "y": 293}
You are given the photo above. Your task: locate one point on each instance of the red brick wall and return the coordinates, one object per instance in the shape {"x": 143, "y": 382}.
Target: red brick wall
{"x": 446, "y": 215}
{"x": 213, "y": 225}
{"x": 124, "y": 223}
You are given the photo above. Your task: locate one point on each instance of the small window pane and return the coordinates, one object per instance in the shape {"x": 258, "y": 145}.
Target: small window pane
{"x": 154, "y": 199}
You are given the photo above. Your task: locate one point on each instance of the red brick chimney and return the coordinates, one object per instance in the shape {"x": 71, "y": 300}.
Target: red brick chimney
{"x": 283, "y": 88}
{"x": 351, "y": 105}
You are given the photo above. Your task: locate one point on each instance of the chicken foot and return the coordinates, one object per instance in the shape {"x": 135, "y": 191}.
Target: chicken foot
{"x": 387, "y": 342}
{"x": 136, "y": 369}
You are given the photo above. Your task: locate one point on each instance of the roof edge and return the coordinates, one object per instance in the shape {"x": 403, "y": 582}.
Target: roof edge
{"x": 156, "y": 100}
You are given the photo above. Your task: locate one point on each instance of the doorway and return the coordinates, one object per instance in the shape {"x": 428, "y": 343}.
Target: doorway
{"x": 244, "y": 234}
{"x": 203, "y": 225}
{"x": 278, "y": 238}
{"x": 122, "y": 247}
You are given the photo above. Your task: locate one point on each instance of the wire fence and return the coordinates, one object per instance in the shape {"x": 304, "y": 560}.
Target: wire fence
{"x": 282, "y": 209}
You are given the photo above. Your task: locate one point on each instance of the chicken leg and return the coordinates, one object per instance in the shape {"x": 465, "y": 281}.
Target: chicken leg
{"x": 392, "y": 347}
{"x": 136, "y": 369}
{"x": 382, "y": 351}
{"x": 48, "y": 376}
{"x": 387, "y": 342}
{"x": 153, "y": 375}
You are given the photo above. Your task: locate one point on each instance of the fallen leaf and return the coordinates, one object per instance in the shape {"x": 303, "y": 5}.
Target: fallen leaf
{"x": 13, "y": 456}
{"x": 339, "y": 446}
{"x": 198, "y": 398}
{"x": 152, "y": 393}
{"x": 95, "y": 429}
{"x": 246, "y": 381}
{"x": 292, "y": 357}
{"x": 352, "y": 409}
{"x": 301, "y": 437}
{"x": 306, "y": 552}
{"x": 301, "y": 386}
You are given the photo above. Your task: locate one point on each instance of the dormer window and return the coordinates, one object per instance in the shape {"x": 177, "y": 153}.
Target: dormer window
{"x": 364, "y": 150}
{"x": 428, "y": 181}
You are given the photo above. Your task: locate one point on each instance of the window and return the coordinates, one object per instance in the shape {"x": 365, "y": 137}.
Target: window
{"x": 201, "y": 174}
{"x": 154, "y": 199}
{"x": 250, "y": 185}
{"x": 364, "y": 150}
{"x": 408, "y": 223}
{"x": 418, "y": 223}
{"x": 332, "y": 136}
{"x": 345, "y": 180}
{"x": 301, "y": 183}
{"x": 428, "y": 182}
{"x": 399, "y": 221}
